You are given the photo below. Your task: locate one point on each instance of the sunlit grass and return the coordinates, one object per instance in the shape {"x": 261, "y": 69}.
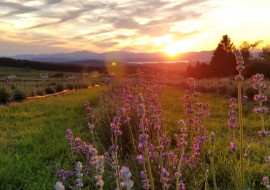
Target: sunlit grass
{"x": 32, "y": 138}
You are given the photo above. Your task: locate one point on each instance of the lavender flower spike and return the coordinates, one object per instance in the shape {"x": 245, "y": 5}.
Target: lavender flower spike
{"x": 59, "y": 186}
{"x": 125, "y": 176}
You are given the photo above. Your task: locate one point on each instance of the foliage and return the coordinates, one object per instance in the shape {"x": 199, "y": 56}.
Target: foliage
{"x": 18, "y": 95}
{"x": 49, "y": 90}
{"x": 59, "y": 88}
{"x": 223, "y": 61}
{"x": 4, "y": 95}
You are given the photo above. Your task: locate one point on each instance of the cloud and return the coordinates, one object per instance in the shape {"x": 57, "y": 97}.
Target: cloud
{"x": 17, "y": 8}
{"x": 112, "y": 23}
{"x": 53, "y": 1}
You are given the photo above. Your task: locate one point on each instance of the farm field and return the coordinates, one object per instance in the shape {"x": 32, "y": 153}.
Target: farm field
{"x": 33, "y": 138}
{"x": 24, "y": 83}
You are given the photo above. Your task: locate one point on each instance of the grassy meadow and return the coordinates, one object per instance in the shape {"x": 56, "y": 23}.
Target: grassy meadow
{"x": 33, "y": 138}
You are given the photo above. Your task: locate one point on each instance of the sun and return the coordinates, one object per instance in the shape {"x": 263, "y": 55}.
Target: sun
{"x": 175, "y": 48}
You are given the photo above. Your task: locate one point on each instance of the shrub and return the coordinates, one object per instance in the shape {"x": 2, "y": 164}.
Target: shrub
{"x": 49, "y": 90}
{"x": 250, "y": 92}
{"x": 18, "y": 95}
{"x": 59, "y": 88}
{"x": 40, "y": 92}
{"x": 70, "y": 86}
{"x": 4, "y": 95}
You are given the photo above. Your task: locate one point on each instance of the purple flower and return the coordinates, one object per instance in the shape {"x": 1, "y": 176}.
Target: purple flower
{"x": 141, "y": 159}
{"x": 181, "y": 186}
{"x": 264, "y": 109}
{"x": 233, "y": 147}
{"x": 258, "y": 77}
{"x": 239, "y": 78}
{"x": 165, "y": 173}
{"x": 233, "y": 100}
{"x": 260, "y": 98}
{"x": 259, "y": 85}
{"x": 232, "y": 113}
{"x": 263, "y": 133}
{"x": 265, "y": 180}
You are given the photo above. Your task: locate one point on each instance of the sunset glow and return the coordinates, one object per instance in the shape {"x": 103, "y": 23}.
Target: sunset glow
{"x": 47, "y": 26}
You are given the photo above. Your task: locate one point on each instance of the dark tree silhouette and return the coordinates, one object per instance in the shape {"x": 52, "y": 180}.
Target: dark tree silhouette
{"x": 245, "y": 49}
{"x": 265, "y": 53}
{"x": 223, "y": 62}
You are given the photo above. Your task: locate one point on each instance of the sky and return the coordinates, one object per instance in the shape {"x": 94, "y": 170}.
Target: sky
{"x": 172, "y": 26}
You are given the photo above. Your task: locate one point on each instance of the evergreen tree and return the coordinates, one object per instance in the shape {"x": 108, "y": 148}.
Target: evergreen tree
{"x": 245, "y": 49}
{"x": 223, "y": 62}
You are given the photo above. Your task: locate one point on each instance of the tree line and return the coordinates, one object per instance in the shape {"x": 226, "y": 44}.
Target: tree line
{"x": 223, "y": 62}
{"x": 65, "y": 67}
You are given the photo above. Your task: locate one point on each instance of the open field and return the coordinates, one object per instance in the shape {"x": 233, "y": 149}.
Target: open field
{"x": 33, "y": 139}
{"x": 31, "y": 83}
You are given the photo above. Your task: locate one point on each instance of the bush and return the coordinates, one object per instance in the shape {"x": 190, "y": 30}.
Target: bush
{"x": 4, "y": 95}
{"x": 18, "y": 95}
{"x": 59, "y": 88}
{"x": 40, "y": 92}
{"x": 49, "y": 90}
{"x": 250, "y": 92}
{"x": 70, "y": 86}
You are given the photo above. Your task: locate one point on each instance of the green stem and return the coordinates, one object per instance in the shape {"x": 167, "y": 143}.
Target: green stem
{"x": 117, "y": 165}
{"x": 132, "y": 138}
{"x": 161, "y": 163}
{"x": 147, "y": 158}
{"x": 263, "y": 128}
{"x": 179, "y": 166}
{"x": 214, "y": 173}
{"x": 93, "y": 138}
{"x": 241, "y": 133}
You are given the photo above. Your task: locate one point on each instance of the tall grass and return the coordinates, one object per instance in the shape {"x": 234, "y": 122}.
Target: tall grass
{"x": 32, "y": 138}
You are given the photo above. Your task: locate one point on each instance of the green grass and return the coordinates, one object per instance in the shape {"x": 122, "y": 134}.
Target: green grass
{"x": 32, "y": 138}
{"x": 255, "y": 166}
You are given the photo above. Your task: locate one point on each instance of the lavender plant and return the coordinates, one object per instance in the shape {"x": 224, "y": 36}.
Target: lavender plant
{"x": 239, "y": 78}
{"x": 211, "y": 154}
{"x": 260, "y": 85}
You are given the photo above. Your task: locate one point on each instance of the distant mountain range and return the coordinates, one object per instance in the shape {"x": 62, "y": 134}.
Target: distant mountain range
{"x": 120, "y": 56}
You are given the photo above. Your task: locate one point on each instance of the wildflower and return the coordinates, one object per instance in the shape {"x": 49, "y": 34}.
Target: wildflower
{"x": 266, "y": 182}
{"x": 79, "y": 175}
{"x": 233, "y": 147}
{"x": 141, "y": 159}
{"x": 59, "y": 186}
{"x": 263, "y": 133}
{"x": 125, "y": 176}
{"x": 91, "y": 126}
{"x": 239, "y": 78}
{"x": 145, "y": 181}
{"x": 260, "y": 98}
{"x": 99, "y": 171}
{"x": 258, "y": 77}
{"x": 181, "y": 186}
{"x": 165, "y": 178}
{"x": 259, "y": 110}
{"x": 70, "y": 139}
{"x": 64, "y": 174}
